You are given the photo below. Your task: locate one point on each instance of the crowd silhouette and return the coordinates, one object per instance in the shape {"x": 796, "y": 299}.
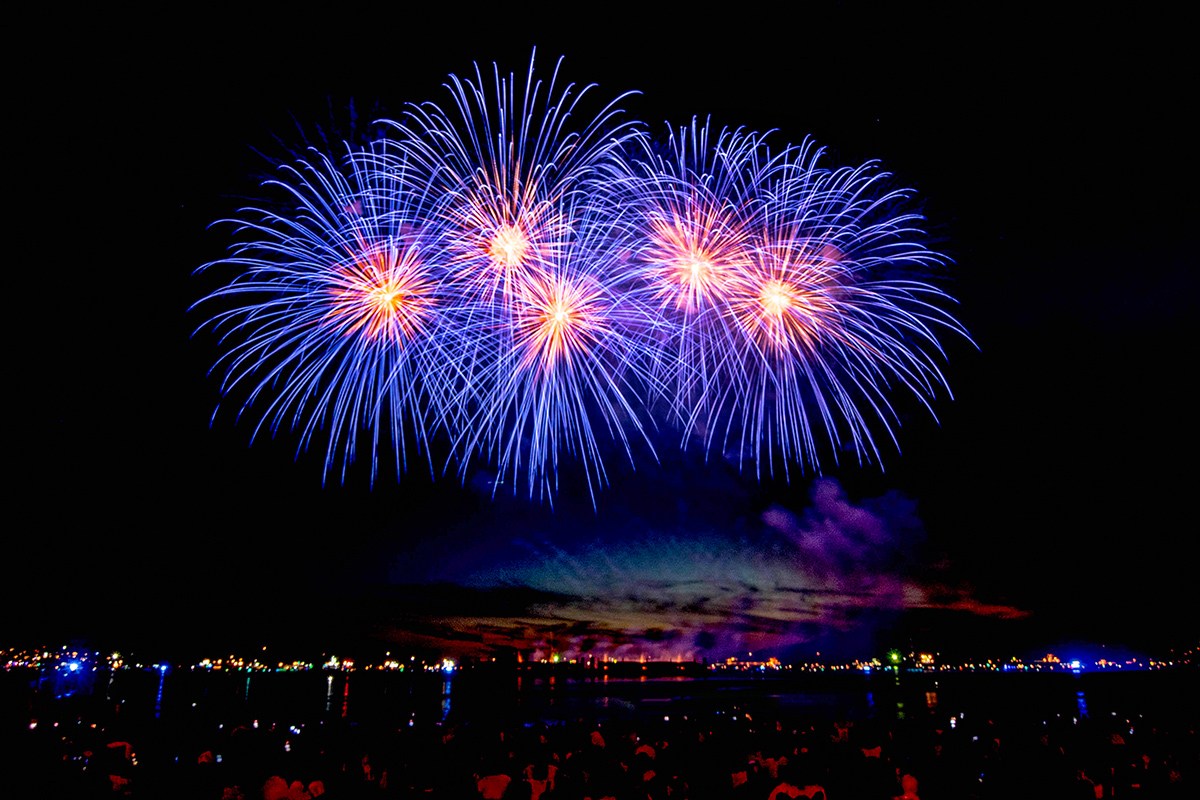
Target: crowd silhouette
{"x": 721, "y": 756}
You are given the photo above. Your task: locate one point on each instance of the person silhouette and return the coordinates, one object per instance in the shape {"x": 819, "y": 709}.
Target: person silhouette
{"x": 908, "y": 788}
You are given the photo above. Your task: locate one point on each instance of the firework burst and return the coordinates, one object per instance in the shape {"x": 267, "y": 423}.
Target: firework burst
{"x": 566, "y": 368}
{"x": 547, "y": 340}
{"x": 504, "y": 160}
{"x": 533, "y": 283}
{"x": 808, "y": 319}
{"x": 332, "y": 317}
{"x": 697, "y": 203}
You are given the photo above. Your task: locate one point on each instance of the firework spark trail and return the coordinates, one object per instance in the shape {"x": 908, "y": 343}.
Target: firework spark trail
{"x": 571, "y": 360}
{"x": 504, "y": 168}
{"x": 332, "y": 314}
{"x": 532, "y": 284}
{"x": 790, "y": 334}
{"x": 831, "y": 324}
{"x": 548, "y": 337}
{"x": 699, "y": 204}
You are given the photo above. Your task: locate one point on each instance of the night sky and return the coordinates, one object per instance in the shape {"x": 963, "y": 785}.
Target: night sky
{"x": 1050, "y": 505}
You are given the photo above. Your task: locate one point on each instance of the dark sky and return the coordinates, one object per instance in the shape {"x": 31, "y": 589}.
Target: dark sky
{"x": 1051, "y": 503}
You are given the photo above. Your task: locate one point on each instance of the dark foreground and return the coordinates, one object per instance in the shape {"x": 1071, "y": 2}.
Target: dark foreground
{"x": 1110, "y": 737}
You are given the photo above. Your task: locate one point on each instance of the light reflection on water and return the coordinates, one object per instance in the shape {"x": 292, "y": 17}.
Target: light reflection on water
{"x": 197, "y": 697}
{"x": 158, "y": 695}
